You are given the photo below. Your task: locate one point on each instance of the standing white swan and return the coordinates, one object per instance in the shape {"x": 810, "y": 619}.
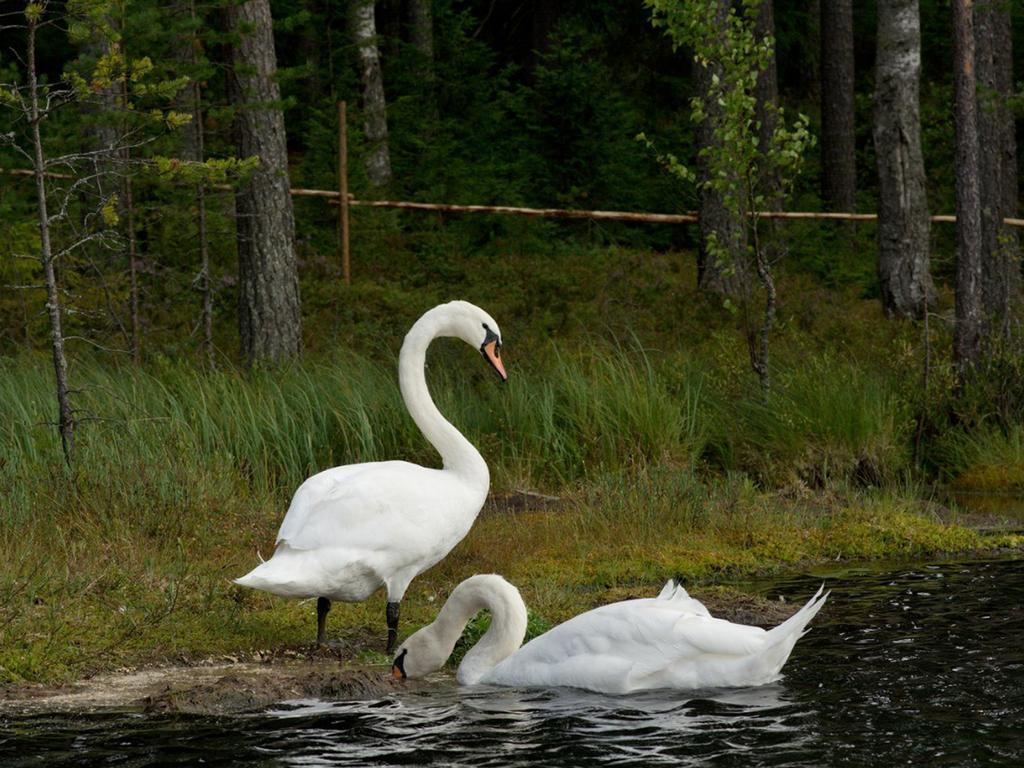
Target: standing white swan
{"x": 352, "y": 529}
{"x": 670, "y": 641}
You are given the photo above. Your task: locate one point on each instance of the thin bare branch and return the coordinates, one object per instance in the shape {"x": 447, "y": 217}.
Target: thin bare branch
{"x": 97, "y": 345}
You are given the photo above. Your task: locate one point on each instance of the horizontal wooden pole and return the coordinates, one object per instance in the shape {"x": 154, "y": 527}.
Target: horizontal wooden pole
{"x": 554, "y": 213}
{"x": 30, "y": 172}
{"x": 331, "y": 193}
{"x": 691, "y": 217}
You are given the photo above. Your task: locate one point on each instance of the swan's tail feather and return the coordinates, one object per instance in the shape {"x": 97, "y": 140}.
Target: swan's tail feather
{"x": 795, "y": 626}
{"x": 286, "y": 574}
{"x": 256, "y": 578}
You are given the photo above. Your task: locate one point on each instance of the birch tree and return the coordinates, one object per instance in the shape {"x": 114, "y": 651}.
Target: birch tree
{"x": 378, "y": 159}
{"x": 738, "y": 166}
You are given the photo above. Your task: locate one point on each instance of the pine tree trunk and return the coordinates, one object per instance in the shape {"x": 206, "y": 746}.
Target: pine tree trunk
{"x": 378, "y": 159}
{"x": 195, "y": 149}
{"x": 101, "y": 111}
{"x": 421, "y": 22}
{"x": 716, "y": 222}
{"x": 767, "y": 94}
{"x": 903, "y": 222}
{"x": 133, "y": 272}
{"x": 967, "y": 334}
{"x": 1005, "y": 84}
{"x": 54, "y": 311}
{"x": 767, "y": 89}
{"x": 128, "y": 207}
{"x": 838, "y": 163}
{"x": 1000, "y": 270}
{"x": 268, "y": 283}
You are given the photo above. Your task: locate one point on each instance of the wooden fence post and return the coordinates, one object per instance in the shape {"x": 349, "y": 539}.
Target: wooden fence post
{"x": 346, "y": 269}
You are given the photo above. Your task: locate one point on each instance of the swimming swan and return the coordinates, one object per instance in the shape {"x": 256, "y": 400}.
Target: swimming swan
{"x": 352, "y": 529}
{"x": 670, "y": 641}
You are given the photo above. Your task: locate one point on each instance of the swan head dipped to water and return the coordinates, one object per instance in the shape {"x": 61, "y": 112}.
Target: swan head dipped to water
{"x": 427, "y": 649}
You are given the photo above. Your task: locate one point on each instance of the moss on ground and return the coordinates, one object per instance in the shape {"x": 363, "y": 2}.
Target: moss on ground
{"x": 117, "y": 602}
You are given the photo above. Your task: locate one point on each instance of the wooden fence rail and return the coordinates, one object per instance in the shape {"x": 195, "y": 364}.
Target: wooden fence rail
{"x": 690, "y": 217}
{"x": 344, "y": 200}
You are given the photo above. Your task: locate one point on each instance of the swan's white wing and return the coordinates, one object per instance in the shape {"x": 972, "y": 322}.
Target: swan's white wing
{"x": 717, "y": 637}
{"x": 679, "y": 599}
{"x": 597, "y": 650}
{"x": 632, "y": 645}
{"x": 351, "y": 529}
{"x": 374, "y": 506}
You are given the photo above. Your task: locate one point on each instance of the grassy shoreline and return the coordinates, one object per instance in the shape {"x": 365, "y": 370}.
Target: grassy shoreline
{"x": 144, "y": 603}
{"x": 667, "y": 460}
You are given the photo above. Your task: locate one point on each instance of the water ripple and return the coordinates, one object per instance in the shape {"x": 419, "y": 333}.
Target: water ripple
{"x": 922, "y": 664}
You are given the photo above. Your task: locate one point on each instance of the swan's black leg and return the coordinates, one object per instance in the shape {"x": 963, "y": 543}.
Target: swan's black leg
{"x": 392, "y": 626}
{"x": 323, "y": 605}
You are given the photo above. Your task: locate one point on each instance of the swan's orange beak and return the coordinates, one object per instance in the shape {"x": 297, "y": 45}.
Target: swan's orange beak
{"x": 398, "y": 668}
{"x": 493, "y": 355}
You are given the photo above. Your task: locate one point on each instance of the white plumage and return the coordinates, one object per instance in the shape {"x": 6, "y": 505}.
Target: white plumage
{"x": 352, "y": 529}
{"x": 670, "y": 641}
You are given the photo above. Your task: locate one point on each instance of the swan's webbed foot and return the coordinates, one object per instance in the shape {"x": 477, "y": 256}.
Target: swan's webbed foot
{"x": 392, "y": 614}
{"x": 323, "y": 607}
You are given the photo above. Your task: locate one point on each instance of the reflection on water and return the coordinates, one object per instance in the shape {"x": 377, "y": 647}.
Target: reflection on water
{"x": 921, "y": 664}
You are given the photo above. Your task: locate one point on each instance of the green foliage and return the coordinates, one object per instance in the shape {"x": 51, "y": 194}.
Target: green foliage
{"x": 739, "y": 169}
{"x": 986, "y": 458}
{"x": 604, "y": 411}
{"x": 826, "y": 421}
{"x": 207, "y": 173}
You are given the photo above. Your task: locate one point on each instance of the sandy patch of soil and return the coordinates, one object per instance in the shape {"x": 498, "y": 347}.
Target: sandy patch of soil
{"x": 209, "y": 689}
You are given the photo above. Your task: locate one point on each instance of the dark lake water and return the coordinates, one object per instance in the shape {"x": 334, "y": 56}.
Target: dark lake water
{"x": 908, "y": 666}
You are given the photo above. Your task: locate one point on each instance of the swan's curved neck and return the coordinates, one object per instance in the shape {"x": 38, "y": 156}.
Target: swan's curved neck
{"x": 503, "y": 637}
{"x": 457, "y": 453}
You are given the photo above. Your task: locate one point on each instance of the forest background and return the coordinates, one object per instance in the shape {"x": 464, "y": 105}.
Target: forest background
{"x": 632, "y": 405}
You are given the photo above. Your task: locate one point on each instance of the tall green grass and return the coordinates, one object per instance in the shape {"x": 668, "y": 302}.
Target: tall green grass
{"x": 825, "y": 421}
{"x": 562, "y": 419}
{"x": 599, "y": 411}
{"x": 987, "y": 458}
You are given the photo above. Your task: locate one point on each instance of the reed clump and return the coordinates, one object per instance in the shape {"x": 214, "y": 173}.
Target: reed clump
{"x": 987, "y": 458}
